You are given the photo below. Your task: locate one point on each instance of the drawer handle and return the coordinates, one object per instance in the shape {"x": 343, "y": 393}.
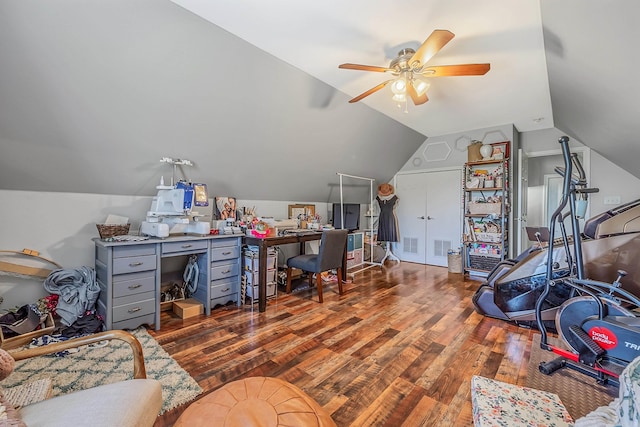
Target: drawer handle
{"x": 135, "y": 264}
{"x": 136, "y": 286}
{"x": 226, "y": 272}
{"x": 186, "y": 246}
{"x": 226, "y": 290}
{"x": 133, "y": 310}
{"x": 227, "y": 253}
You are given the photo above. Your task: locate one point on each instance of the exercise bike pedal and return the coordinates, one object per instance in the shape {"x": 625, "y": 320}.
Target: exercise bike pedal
{"x": 550, "y": 367}
{"x": 589, "y": 350}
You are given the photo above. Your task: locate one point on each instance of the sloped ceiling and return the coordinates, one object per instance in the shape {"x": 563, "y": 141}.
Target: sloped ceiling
{"x": 94, "y": 93}
{"x": 593, "y": 64}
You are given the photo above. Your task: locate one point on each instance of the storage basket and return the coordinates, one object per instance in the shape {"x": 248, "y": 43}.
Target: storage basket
{"x": 483, "y": 262}
{"x": 489, "y": 237}
{"x": 485, "y": 208}
{"x": 454, "y": 262}
{"x": 111, "y": 230}
{"x": 20, "y": 340}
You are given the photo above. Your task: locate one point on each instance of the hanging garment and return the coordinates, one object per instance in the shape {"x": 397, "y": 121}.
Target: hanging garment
{"x": 388, "y": 222}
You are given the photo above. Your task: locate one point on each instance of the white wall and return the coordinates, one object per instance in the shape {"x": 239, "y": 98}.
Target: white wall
{"x": 61, "y": 225}
{"x": 609, "y": 178}
{"x": 451, "y": 150}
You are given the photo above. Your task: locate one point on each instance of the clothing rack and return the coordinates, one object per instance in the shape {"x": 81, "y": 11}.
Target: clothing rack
{"x": 368, "y": 264}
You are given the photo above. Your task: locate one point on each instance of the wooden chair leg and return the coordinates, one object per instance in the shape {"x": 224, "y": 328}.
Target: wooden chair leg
{"x": 288, "y": 280}
{"x": 339, "y": 274}
{"x": 319, "y": 282}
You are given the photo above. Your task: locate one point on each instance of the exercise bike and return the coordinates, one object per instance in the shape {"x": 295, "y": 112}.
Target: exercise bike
{"x": 599, "y": 322}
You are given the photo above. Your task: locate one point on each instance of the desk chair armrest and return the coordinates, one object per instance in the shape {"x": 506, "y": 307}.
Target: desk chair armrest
{"x": 139, "y": 371}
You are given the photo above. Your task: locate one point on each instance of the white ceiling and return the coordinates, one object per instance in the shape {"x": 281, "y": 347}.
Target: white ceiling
{"x": 318, "y": 36}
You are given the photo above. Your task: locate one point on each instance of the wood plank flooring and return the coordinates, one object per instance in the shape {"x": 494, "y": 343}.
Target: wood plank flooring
{"x": 398, "y": 349}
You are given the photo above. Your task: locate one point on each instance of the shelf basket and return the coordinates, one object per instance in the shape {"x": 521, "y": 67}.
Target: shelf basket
{"x": 485, "y": 208}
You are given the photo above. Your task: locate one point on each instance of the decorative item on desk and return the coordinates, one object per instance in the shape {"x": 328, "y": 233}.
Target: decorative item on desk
{"x": 225, "y": 208}
{"x": 260, "y": 229}
{"x": 301, "y": 211}
{"x": 111, "y": 230}
{"x": 114, "y": 225}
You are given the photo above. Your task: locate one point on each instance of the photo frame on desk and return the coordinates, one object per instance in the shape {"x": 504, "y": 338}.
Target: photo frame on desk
{"x": 225, "y": 207}
{"x": 500, "y": 149}
{"x": 301, "y": 210}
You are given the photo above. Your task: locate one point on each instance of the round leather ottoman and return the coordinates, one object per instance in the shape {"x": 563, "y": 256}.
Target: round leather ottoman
{"x": 256, "y": 401}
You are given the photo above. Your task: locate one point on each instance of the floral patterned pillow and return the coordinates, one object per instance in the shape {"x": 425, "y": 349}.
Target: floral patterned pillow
{"x": 500, "y": 404}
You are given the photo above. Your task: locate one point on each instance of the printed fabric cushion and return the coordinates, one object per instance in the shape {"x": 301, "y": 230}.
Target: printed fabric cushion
{"x": 500, "y": 404}
{"x": 8, "y": 415}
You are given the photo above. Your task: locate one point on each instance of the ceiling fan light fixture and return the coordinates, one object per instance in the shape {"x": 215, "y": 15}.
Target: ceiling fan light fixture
{"x": 399, "y": 86}
{"x": 410, "y": 65}
{"x": 421, "y": 86}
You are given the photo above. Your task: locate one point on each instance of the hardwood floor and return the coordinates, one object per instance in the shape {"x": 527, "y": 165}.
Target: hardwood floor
{"x": 398, "y": 349}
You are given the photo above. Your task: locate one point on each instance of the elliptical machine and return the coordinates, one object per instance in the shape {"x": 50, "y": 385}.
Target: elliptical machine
{"x": 599, "y": 321}
{"x": 609, "y": 240}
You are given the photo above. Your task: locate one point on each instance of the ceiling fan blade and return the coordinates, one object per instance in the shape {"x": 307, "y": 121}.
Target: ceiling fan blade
{"x": 456, "y": 70}
{"x": 417, "y": 99}
{"x": 364, "y": 67}
{"x": 369, "y": 92}
{"x": 430, "y": 47}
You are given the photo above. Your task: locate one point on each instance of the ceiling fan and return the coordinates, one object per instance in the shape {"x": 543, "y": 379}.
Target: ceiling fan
{"x": 409, "y": 69}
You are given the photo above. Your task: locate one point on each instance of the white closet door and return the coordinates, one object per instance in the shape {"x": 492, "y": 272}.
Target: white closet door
{"x": 429, "y": 216}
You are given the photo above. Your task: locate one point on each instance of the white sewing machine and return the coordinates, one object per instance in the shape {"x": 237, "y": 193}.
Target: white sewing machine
{"x": 171, "y": 211}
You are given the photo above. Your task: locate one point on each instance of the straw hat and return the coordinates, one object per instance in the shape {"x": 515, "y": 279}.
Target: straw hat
{"x": 385, "y": 190}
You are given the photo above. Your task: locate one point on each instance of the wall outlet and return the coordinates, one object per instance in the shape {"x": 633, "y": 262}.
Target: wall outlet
{"x": 612, "y": 200}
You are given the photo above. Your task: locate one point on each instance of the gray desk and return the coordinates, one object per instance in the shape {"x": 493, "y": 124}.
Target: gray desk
{"x": 130, "y": 275}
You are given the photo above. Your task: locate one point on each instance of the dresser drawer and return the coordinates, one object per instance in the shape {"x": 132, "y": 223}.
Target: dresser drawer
{"x": 133, "y": 283}
{"x": 224, "y": 270}
{"x": 225, "y": 252}
{"x": 224, "y": 287}
{"x": 134, "y": 264}
{"x": 125, "y": 308}
{"x": 188, "y": 246}
{"x": 134, "y": 250}
{"x": 218, "y": 243}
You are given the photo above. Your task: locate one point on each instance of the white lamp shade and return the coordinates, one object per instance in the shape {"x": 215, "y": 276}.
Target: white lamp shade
{"x": 421, "y": 86}
{"x": 399, "y": 86}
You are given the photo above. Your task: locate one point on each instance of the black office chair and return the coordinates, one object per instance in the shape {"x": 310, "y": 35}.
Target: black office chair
{"x": 330, "y": 255}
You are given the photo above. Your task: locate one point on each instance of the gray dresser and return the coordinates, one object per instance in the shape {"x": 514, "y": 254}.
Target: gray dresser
{"x": 131, "y": 275}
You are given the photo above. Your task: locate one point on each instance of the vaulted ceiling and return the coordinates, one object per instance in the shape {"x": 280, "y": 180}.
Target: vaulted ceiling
{"x": 94, "y": 93}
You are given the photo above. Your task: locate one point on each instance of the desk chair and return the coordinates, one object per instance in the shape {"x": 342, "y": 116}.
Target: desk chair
{"x": 332, "y": 246}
